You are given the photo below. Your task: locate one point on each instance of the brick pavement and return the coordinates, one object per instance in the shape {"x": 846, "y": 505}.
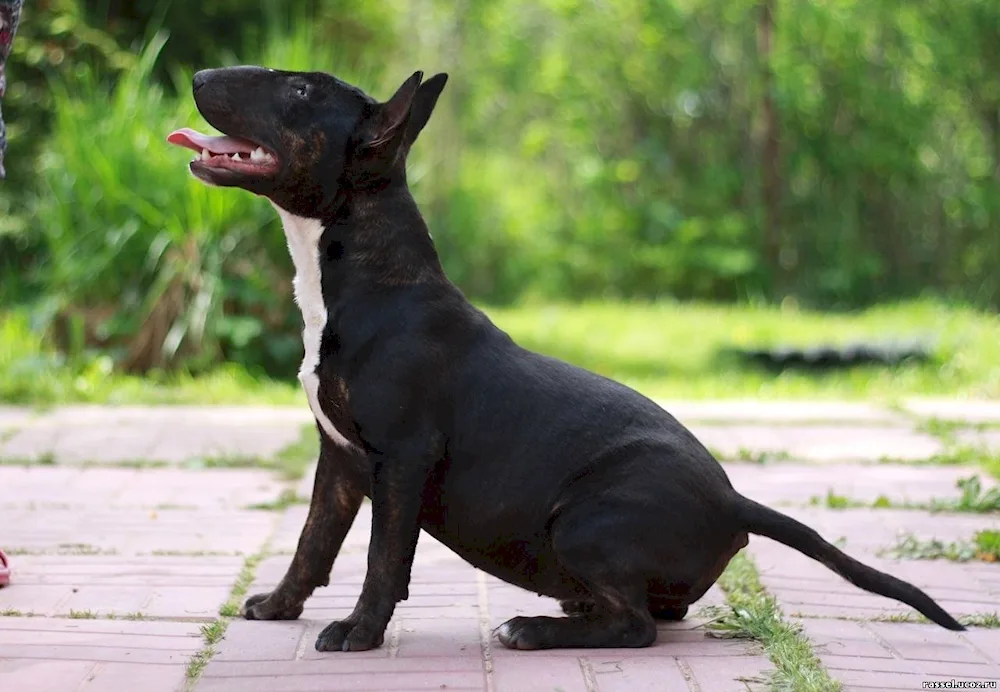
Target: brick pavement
{"x": 168, "y": 545}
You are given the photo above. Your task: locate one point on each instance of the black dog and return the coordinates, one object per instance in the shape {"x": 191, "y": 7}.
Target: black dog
{"x": 540, "y": 473}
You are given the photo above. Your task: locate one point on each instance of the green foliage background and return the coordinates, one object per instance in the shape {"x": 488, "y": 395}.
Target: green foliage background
{"x": 582, "y": 150}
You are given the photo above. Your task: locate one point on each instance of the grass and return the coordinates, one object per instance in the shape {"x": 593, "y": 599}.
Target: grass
{"x": 969, "y": 455}
{"x": 231, "y": 608}
{"x": 755, "y": 614}
{"x": 957, "y": 452}
{"x": 984, "y": 620}
{"x": 286, "y": 499}
{"x": 193, "y": 553}
{"x": 665, "y": 350}
{"x": 15, "y": 613}
{"x": 63, "y": 549}
{"x": 670, "y": 350}
{"x": 973, "y": 499}
{"x": 213, "y": 632}
{"x": 291, "y": 462}
{"x": 983, "y": 546}
{"x": 82, "y": 615}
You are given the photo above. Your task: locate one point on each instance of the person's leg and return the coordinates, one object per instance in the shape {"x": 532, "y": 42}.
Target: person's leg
{"x": 10, "y": 14}
{"x": 4, "y": 569}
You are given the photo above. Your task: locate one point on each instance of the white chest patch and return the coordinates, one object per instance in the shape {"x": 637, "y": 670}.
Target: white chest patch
{"x": 303, "y": 237}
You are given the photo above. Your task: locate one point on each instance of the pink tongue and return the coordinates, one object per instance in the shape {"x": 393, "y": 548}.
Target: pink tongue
{"x": 187, "y": 137}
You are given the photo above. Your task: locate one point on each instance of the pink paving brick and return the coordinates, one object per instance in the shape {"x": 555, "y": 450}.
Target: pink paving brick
{"x": 43, "y": 654}
{"x": 173, "y": 587}
{"x": 248, "y": 640}
{"x": 538, "y": 670}
{"x": 116, "y": 677}
{"x": 344, "y": 672}
{"x": 435, "y": 641}
{"x": 430, "y": 638}
{"x": 632, "y": 674}
{"x": 843, "y": 638}
{"x": 43, "y": 675}
{"x": 986, "y": 641}
{"x": 924, "y": 642}
{"x": 730, "y": 674}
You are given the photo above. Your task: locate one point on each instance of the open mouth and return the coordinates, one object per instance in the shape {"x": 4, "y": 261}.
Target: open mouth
{"x": 225, "y": 153}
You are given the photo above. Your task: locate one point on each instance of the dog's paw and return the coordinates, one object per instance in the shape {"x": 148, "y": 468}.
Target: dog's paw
{"x": 523, "y": 633}
{"x": 350, "y": 635}
{"x": 264, "y": 606}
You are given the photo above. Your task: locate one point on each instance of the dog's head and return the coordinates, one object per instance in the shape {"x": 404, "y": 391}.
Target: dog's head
{"x": 298, "y": 138}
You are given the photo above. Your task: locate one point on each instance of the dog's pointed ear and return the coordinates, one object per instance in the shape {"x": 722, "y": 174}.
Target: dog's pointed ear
{"x": 389, "y": 122}
{"x": 423, "y": 105}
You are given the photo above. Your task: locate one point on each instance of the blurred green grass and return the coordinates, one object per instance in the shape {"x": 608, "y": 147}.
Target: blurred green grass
{"x": 665, "y": 350}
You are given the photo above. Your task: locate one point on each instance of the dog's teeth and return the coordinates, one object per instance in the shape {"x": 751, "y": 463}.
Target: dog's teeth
{"x": 205, "y": 154}
{"x": 257, "y": 154}
{"x": 235, "y": 157}
{"x": 266, "y": 156}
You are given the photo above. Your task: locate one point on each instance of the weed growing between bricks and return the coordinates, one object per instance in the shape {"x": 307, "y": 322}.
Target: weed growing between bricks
{"x": 973, "y": 499}
{"x": 15, "y": 613}
{"x": 291, "y": 462}
{"x": 286, "y": 499}
{"x": 62, "y": 549}
{"x": 755, "y": 614}
{"x": 984, "y": 620}
{"x": 955, "y": 451}
{"x": 214, "y": 631}
{"x": 983, "y": 546}
{"x": 750, "y": 456}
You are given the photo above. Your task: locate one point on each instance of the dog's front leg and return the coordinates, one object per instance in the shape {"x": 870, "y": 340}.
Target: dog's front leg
{"x": 337, "y": 494}
{"x": 397, "y": 489}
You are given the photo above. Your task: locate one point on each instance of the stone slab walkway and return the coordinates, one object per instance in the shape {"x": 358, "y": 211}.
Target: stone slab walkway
{"x": 121, "y": 571}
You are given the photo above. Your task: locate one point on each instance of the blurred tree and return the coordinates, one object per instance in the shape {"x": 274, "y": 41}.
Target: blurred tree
{"x": 840, "y": 153}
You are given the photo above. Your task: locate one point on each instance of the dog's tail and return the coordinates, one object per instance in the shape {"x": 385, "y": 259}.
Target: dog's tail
{"x": 758, "y": 519}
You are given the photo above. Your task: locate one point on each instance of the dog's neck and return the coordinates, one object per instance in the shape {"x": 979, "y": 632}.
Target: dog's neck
{"x": 369, "y": 240}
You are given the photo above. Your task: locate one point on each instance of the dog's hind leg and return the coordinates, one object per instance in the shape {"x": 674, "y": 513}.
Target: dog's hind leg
{"x": 659, "y": 609}
{"x": 594, "y": 547}
{"x": 665, "y": 610}
{"x": 337, "y": 495}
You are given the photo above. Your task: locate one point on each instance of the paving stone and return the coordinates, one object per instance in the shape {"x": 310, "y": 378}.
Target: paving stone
{"x": 42, "y": 675}
{"x": 173, "y": 587}
{"x": 135, "y": 531}
{"x": 635, "y": 674}
{"x": 955, "y": 410}
{"x": 797, "y": 483}
{"x": 54, "y": 487}
{"x": 918, "y": 642}
{"x": 116, "y": 677}
{"x": 984, "y": 439}
{"x": 13, "y": 418}
{"x": 731, "y": 673}
{"x": 986, "y": 641}
{"x": 540, "y": 671}
{"x": 818, "y": 443}
{"x": 339, "y": 671}
{"x": 41, "y": 654}
{"x": 794, "y": 412}
{"x": 435, "y": 639}
{"x": 76, "y": 434}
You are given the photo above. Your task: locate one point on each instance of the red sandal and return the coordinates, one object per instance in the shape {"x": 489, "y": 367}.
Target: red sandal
{"x": 4, "y": 570}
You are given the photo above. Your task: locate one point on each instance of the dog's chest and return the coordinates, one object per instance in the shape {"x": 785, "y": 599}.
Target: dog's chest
{"x": 303, "y": 236}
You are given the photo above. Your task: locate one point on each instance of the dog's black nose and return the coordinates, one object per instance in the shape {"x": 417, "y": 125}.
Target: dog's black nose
{"x": 200, "y": 77}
